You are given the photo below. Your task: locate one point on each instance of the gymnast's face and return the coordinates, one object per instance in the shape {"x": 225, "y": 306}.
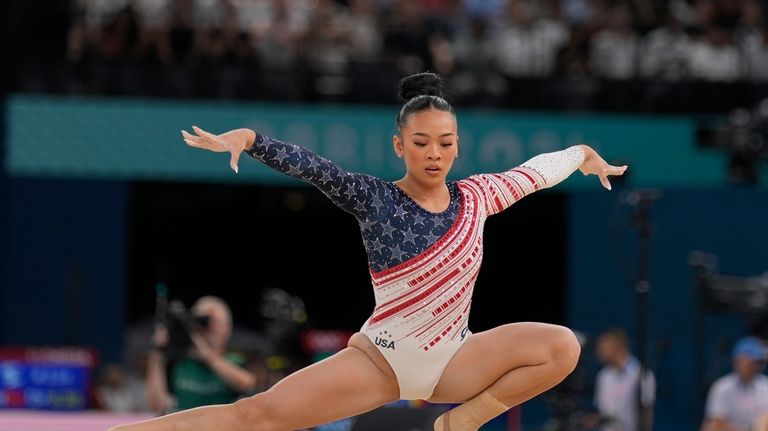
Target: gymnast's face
{"x": 429, "y": 143}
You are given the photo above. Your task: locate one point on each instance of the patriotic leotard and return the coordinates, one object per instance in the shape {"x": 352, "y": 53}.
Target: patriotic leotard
{"x": 423, "y": 265}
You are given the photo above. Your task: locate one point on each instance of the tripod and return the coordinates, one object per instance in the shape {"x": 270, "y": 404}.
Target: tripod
{"x": 642, "y": 200}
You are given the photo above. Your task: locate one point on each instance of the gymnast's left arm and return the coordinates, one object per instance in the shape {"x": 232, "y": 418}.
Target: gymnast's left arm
{"x": 543, "y": 171}
{"x": 553, "y": 168}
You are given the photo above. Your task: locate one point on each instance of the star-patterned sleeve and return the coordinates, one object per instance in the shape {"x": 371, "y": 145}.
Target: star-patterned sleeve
{"x": 349, "y": 191}
{"x": 543, "y": 171}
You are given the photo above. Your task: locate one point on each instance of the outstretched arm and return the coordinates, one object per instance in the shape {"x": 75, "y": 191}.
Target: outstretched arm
{"x": 555, "y": 167}
{"x": 347, "y": 190}
{"x": 543, "y": 171}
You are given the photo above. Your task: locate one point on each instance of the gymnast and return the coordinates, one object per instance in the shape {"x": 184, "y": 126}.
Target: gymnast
{"x": 423, "y": 237}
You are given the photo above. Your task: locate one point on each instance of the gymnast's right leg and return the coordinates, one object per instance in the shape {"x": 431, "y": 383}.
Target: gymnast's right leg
{"x": 351, "y": 382}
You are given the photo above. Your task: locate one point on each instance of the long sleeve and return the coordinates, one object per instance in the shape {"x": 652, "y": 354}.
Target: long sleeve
{"x": 351, "y": 192}
{"x": 543, "y": 171}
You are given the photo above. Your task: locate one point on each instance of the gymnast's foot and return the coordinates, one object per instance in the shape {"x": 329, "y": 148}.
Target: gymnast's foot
{"x": 471, "y": 415}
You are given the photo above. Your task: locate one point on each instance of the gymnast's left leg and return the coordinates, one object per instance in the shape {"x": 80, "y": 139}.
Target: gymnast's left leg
{"x": 503, "y": 367}
{"x": 351, "y": 382}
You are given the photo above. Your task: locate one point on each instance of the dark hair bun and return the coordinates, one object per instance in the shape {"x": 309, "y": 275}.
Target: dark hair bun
{"x": 420, "y": 84}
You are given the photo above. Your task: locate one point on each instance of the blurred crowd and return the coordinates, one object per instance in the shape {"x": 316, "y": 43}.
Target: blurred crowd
{"x": 340, "y": 49}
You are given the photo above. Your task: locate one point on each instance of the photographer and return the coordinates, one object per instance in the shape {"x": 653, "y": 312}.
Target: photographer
{"x": 204, "y": 373}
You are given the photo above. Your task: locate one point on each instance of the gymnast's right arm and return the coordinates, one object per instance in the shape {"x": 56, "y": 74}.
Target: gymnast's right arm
{"x": 347, "y": 190}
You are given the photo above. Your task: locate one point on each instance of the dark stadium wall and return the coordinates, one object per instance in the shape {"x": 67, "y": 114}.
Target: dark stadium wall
{"x": 3, "y": 217}
{"x": 315, "y": 252}
{"x": 727, "y": 223}
{"x": 65, "y": 250}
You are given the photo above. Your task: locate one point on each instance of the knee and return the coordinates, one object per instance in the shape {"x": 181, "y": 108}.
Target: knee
{"x": 564, "y": 349}
{"x": 255, "y": 413}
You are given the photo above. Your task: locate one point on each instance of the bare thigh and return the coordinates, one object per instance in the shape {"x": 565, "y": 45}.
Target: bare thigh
{"x": 487, "y": 356}
{"x": 348, "y": 383}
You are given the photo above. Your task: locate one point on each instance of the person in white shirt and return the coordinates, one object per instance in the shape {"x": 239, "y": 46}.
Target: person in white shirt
{"x": 613, "y": 50}
{"x": 118, "y": 392}
{"x": 739, "y": 401}
{"x": 616, "y": 388}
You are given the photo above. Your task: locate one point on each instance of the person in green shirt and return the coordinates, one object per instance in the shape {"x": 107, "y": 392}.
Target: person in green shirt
{"x": 208, "y": 374}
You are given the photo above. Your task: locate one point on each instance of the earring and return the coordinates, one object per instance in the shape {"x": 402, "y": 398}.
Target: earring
{"x": 400, "y": 156}
{"x": 456, "y": 156}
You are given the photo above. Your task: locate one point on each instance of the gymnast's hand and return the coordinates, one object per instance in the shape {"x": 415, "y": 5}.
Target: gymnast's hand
{"x": 234, "y": 141}
{"x": 595, "y": 165}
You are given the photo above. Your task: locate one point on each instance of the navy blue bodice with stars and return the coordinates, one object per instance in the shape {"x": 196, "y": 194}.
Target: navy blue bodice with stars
{"x": 393, "y": 226}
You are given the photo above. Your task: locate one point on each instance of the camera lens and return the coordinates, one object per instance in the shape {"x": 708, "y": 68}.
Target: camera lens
{"x": 202, "y": 321}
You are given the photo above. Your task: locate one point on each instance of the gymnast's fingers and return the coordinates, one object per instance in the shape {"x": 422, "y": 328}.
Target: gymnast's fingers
{"x": 193, "y": 141}
{"x": 234, "y": 159}
{"x": 615, "y": 170}
{"x": 198, "y": 142}
{"x": 604, "y": 181}
{"x": 210, "y": 137}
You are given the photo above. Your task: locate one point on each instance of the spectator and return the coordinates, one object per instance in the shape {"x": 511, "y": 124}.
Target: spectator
{"x": 739, "y": 400}
{"x": 327, "y": 49}
{"x": 702, "y": 15}
{"x": 183, "y": 46}
{"x": 328, "y": 42}
{"x": 714, "y": 58}
{"x": 226, "y": 52}
{"x": 751, "y": 40}
{"x": 279, "y": 26}
{"x": 616, "y": 387}
{"x": 476, "y": 74}
{"x": 218, "y": 32}
{"x": 438, "y": 7}
{"x": 613, "y": 50}
{"x": 665, "y": 52}
{"x": 207, "y": 374}
{"x": 117, "y": 392}
{"x": 580, "y": 13}
{"x": 365, "y": 32}
{"x": 154, "y": 14}
{"x": 528, "y": 45}
{"x": 407, "y": 35}
{"x": 484, "y": 9}
{"x": 573, "y": 61}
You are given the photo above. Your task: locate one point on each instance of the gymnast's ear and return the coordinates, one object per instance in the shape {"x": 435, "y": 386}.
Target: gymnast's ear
{"x": 397, "y": 144}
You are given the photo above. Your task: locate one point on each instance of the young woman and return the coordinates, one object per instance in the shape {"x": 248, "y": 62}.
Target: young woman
{"x": 423, "y": 237}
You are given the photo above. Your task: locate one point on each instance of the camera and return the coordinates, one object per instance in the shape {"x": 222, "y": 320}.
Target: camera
{"x": 743, "y": 136}
{"x": 180, "y": 322}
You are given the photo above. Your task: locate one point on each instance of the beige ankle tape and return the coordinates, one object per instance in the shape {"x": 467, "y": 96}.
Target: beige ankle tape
{"x": 483, "y": 408}
{"x": 472, "y": 414}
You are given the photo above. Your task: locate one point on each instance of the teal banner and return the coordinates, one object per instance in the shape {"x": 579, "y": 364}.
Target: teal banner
{"x": 133, "y": 139}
